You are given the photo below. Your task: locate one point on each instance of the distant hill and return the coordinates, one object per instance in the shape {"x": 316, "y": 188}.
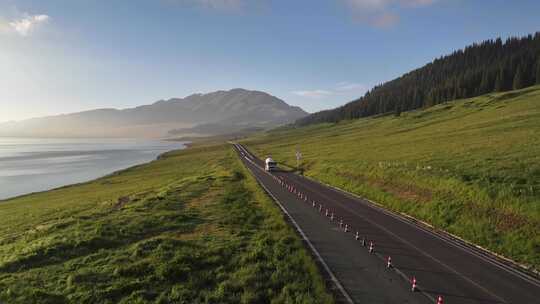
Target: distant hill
{"x": 198, "y": 114}
{"x": 491, "y": 66}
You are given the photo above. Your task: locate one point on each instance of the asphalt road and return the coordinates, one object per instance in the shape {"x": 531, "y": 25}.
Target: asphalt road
{"x": 441, "y": 265}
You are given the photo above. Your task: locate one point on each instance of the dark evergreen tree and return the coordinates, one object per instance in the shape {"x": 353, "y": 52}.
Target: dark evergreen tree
{"x": 499, "y": 81}
{"x": 538, "y": 71}
{"x": 486, "y": 85}
{"x": 477, "y": 69}
{"x": 397, "y": 112}
{"x": 519, "y": 82}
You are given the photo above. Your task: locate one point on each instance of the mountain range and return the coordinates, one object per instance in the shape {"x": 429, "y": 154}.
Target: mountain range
{"x": 195, "y": 115}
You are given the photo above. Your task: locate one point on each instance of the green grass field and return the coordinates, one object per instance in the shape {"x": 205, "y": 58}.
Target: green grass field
{"x": 191, "y": 227}
{"x": 471, "y": 167}
{"x": 194, "y": 227}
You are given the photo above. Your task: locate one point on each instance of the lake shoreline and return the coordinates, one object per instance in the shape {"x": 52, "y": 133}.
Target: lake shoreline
{"x": 89, "y": 181}
{"x": 37, "y": 169}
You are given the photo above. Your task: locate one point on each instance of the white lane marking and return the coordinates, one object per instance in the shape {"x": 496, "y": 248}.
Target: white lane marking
{"x": 476, "y": 251}
{"x": 412, "y": 245}
{"x": 319, "y": 257}
{"x": 245, "y": 151}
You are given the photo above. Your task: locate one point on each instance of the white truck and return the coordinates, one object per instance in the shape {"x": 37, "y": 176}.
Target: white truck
{"x": 270, "y": 164}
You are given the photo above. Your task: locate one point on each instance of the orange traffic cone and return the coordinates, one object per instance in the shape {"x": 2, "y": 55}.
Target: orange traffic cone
{"x": 439, "y": 300}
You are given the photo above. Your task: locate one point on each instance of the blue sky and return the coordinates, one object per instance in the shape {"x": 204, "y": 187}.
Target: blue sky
{"x": 61, "y": 56}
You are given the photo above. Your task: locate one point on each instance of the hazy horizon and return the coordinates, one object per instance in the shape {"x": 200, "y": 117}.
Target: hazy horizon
{"x": 316, "y": 55}
{"x": 216, "y": 113}
{"x": 127, "y": 107}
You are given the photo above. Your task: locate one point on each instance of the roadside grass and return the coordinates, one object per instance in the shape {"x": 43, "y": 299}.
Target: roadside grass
{"x": 191, "y": 227}
{"x": 470, "y": 167}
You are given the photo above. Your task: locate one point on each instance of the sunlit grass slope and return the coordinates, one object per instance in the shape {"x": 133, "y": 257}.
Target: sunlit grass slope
{"x": 191, "y": 227}
{"x": 471, "y": 167}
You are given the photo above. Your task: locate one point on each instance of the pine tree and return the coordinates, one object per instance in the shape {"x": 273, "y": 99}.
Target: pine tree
{"x": 518, "y": 79}
{"x": 538, "y": 72}
{"x": 481, "y": 68}
{"x": 485, "y": 84}
{"x": 397, "y": 111}
{"x": 499, "y": 82}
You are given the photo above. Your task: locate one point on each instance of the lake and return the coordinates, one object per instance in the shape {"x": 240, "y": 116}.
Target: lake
{"x": 36, "y": 164}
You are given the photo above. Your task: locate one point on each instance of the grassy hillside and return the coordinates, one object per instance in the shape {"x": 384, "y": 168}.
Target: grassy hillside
{"x": 481, "y": 68}
{"x": 192, "y": 227}
{"x": 471, "y": 167}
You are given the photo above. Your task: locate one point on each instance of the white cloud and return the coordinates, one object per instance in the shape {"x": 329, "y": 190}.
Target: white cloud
{"x": 220, "y": 4}
{"x": 224, "y": 3}
{"x": 27, "y": 24}
{"x": 368, "y": 4}
{"x": 340, "y": 89}
{"x": 418, "y": 2}
{"x": 385, "y": 20}
{"x": 383, "y": 4}
{"x": 381, "y": 13}
{"x": 350, "y": 86}
{"x": 317, "y": 94}
{"x": 227, "y": 5}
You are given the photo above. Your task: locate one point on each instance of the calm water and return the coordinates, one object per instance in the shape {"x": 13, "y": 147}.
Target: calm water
{"x": 30, "y": 165}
